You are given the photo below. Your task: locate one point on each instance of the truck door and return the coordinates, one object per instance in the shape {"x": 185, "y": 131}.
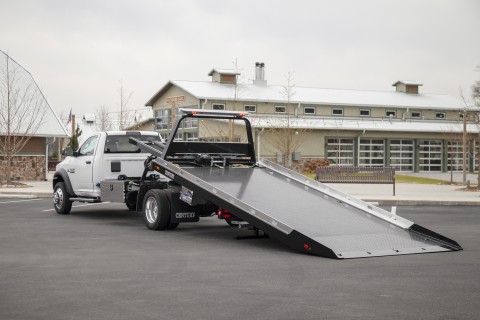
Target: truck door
{"x": 82, "y": 178}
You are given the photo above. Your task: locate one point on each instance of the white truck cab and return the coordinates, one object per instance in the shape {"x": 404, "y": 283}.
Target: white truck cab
{"x": 102, "y": 156}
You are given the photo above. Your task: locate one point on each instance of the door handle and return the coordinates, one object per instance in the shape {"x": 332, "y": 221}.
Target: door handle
{"x": 88, "y": 162}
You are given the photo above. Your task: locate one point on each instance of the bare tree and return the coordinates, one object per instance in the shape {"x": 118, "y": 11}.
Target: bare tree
{"x": 454, "y": 138}
{"x": 125, "y": 115}
{"x": 283, "y": 135}
{"x": 104, "y": 119}
{"x": 22, "y": 109}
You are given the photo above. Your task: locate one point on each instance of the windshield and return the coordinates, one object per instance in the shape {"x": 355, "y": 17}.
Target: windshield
{"x": 121, "y": 144}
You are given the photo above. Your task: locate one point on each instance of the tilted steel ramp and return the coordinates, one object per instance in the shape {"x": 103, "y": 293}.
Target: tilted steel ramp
{"x": 308, "y": 215}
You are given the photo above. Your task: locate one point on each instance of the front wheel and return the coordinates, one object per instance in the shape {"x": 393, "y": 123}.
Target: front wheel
{"x": 156, "y": 210}
{"x": 61, "y": 200}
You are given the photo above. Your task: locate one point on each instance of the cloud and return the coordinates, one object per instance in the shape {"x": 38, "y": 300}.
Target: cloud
{"x": 78, "y": 51}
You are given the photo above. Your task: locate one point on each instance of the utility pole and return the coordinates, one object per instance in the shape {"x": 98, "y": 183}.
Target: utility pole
{"x": 464, "y": 147}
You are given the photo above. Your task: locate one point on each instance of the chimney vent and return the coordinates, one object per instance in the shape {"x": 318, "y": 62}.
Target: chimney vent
{"x": 260, "y": 74}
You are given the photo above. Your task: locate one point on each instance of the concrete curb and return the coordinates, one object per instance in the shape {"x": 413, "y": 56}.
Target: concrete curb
{"x": 392, "y": 202}
{"x": 26, "y": 195}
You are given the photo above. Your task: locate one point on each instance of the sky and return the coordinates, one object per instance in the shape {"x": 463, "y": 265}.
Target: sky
{"x": 80, "y": 51}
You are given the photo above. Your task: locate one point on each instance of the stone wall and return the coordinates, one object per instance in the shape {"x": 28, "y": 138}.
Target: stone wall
{"x": 24, "y": 168}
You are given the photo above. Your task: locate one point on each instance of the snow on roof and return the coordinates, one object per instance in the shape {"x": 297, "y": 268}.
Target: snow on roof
{"x": 51, "y": 126}
{"x": 408, "y": 83}
{"x": 327, "y": 123}
{"x": 32, "y": 104}
{"x": 334, "y": 97}
{"x": 223, "y": 71}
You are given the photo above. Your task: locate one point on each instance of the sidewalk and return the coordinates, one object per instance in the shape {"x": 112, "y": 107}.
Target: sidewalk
{"x": 410, "y": 194}
{"x": 406, "y": 193}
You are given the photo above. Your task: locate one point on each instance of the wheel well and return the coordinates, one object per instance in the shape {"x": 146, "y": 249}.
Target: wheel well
{"x": 62, "y": 176}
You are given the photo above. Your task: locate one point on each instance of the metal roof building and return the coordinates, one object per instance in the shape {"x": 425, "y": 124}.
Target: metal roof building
{"x": 404, "y": 128}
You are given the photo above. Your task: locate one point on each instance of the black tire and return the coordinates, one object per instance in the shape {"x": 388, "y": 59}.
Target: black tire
{"x": 172, "y": 225}
{"x": 131, "y": 206}
{"x": 156, "y": 210}
{"x": 61, "y": 199}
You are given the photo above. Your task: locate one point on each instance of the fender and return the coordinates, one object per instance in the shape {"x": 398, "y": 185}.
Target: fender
{"x": 61, "y": 175}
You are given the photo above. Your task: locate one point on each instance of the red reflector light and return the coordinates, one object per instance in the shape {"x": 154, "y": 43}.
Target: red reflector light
{"x": 223, "y": 214}
{"x": 307, "y": 247}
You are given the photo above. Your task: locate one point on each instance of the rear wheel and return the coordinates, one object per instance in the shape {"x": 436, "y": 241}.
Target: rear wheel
{"x": 172, "y": 225}
{"x": 156, "y": 210}
{"x": 61, "y": 200}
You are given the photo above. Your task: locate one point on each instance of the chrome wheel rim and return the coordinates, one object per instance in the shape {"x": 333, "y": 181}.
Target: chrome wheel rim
{"x": 151, "y": 210}
{"x": 58, "y": 198}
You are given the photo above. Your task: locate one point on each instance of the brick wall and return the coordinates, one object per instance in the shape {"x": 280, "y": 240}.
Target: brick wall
{"x": 24, "y": 168}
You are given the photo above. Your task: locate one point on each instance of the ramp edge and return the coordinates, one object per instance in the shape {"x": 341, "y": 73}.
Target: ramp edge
{"x": 429, "y": 234}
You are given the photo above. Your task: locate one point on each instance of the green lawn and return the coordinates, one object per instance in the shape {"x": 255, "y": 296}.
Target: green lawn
{"x": 421, "y": 180}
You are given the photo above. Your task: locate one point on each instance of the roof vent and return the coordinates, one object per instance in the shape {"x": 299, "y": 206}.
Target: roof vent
{"x": 407, "y": 86}
{"x": 260, "y": 74}
{"x": 89, "y": 117}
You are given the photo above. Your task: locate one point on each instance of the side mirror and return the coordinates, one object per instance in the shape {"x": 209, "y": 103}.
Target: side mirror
{"x": 68, "y": 152}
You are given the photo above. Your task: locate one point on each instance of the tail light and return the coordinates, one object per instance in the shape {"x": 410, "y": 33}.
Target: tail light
{"x": 223, "y": 214}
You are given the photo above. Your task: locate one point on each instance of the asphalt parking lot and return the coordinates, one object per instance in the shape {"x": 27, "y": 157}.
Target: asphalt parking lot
{"x": 100, "y": 262}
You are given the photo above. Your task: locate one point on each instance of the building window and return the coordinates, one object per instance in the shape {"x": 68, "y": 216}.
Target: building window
{"x": 178, "y": 137}
{"x": 371, "y": 152}
{"x": 280, "y": 109}
{"x": 337, "y": 111}
{"x": 309, "y": 110}
{"x": 391, "y": 113}
{"x": 190, "y": 123}
{"x": 416, "y": 115}
{"x": 455, "y": 156}
{"x": 218, "y": 106}
{"x": 191, "y": 136}
{"x": 430, "y": 155}
{"x": 402, "y": 154}
{"x": 250, "y": 108}
{"x": 340, "y": 151}
{"x": 440, "y": 115}
{"x": 365, "y": 112}
{"x": 163, "y": 118}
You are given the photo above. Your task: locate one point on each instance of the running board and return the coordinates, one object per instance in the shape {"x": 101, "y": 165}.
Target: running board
{"x": 87, "y": 200}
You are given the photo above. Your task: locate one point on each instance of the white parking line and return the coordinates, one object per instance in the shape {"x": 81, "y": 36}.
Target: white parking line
{"x": 80, "y": 205}
{"x": 13, "y": 201}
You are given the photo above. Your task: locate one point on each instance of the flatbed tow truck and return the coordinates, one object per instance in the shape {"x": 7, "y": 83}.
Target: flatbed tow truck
{"x": 305, "y": 214}
{"x": 205, "y": 177}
